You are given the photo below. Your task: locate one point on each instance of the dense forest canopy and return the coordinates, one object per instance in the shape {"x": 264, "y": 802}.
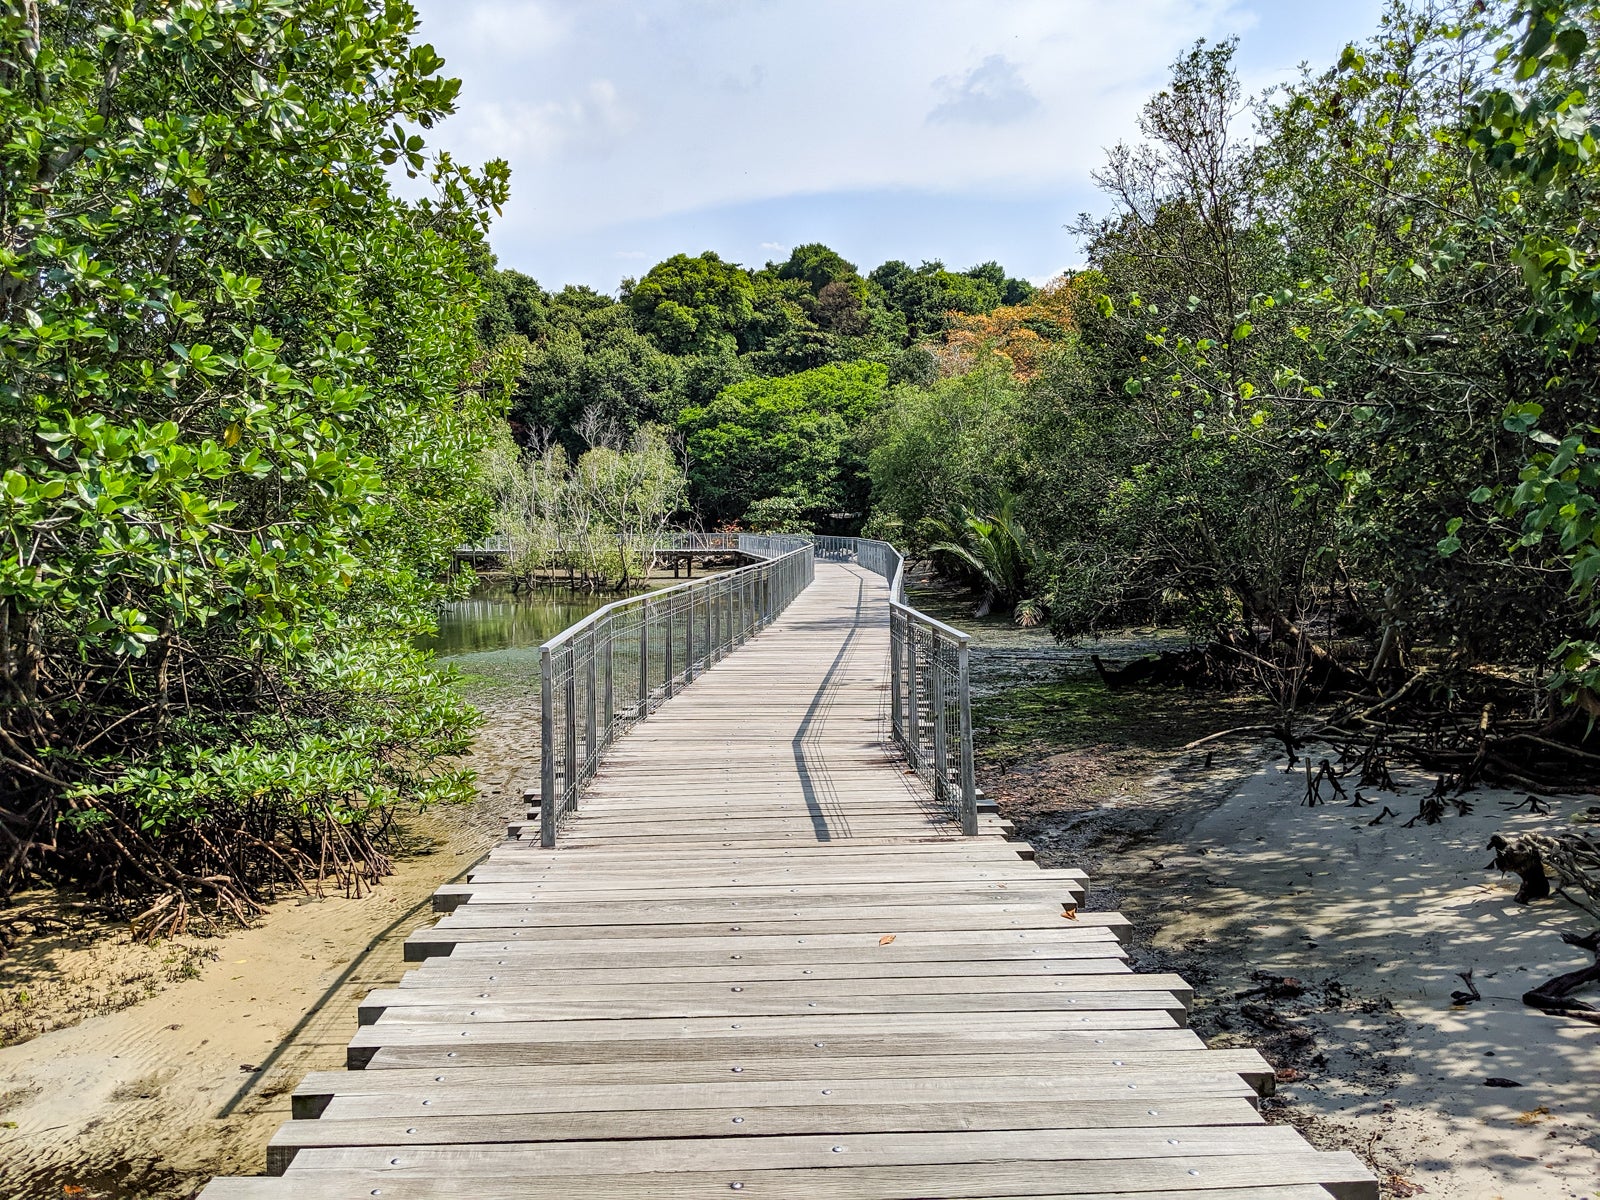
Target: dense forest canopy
{"x": 241, "y": 407}
{"x": 1323, "y": 390}
{"x": 769, "y": 376}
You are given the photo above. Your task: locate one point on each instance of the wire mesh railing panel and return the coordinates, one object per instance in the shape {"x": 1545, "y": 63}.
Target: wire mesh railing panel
{"x": 612, "y": 669}
{"x": 930, "y": 709}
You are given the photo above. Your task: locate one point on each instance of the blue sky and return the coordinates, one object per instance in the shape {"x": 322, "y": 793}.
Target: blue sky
{"x": 962, "y": 130}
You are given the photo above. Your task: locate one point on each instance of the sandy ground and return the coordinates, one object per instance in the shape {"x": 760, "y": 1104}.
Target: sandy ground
{"x": 1333, "y": 945}
{"x": 187, "y": 1068}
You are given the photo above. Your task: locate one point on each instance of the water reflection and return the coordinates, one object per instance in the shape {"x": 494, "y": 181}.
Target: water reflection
{"x": 493, "y": 619}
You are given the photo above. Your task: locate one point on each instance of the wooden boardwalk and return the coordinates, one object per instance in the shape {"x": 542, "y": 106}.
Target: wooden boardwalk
{"x": 760, "y": 961}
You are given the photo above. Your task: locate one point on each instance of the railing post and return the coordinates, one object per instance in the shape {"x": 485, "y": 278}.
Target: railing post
{"x": 590, "y": 704}
{"x": 570, "y": 783}
{"x": 610, "y": 693}
{"x": 644, "y": 659}
{"x": 668, "y": 689}
{"x": 941, "y": 762}
{"x": 913, "y": 708}
{"x": 969, "y": 783}
{"x": 547, "y": 751}
{"x": 688, "y": 641}
{"x": 897, "y": 624}
{"x": 714, "y": 621}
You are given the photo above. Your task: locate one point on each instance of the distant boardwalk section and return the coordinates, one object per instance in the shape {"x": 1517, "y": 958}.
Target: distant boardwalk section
{"x": 763, "y": 957}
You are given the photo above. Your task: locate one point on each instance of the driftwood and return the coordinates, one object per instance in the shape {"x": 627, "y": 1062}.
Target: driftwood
{"x": 1572, "y": 857}
{"x": 1556, "y": 995}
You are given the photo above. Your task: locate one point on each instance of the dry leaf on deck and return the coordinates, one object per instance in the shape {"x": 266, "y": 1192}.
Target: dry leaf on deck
{"x": 1070, "y": 914}
{"x": 886, "y": 939}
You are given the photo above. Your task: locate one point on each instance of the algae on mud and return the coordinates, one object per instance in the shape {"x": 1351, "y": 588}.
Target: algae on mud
{"x": 1079, "y": 713}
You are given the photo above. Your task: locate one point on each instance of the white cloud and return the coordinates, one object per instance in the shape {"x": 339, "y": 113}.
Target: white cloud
{"x": 615, "y": 113}
{"x": 502, "y": 28}
{"x": 636, "y": 110}
{"x": 583, "y": 125}
{"x": 992, "y": 93}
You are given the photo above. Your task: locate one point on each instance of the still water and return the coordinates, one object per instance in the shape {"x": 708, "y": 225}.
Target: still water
{"x": 494, "y": 636}
{"x": 494, "y": 619}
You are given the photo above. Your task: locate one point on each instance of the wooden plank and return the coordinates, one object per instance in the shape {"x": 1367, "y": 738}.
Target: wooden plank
{"x": 1087, "y": 1069}
{"x": 928, "y": 879}
{"x": 756, "y": 915}
{"x": 734, "y": 936}
{"x": 576, "y": 842}
{"x": 762, "y": 960}
{"x": 396, "y": 1029}
{"x": 857, "y": 975}
{"x": 822, "y": 1028}
{"x": 448, "y": 989}
{"x": 401, "y": 1006}
{"x": 745, "y": 1121}
{"x": 930, "y": 875}
{"x": 326, "y": 1187}
{"x": 1192, "y": 1145}
{"x": 1341, "y": 1173}
{"x": 565, "y": 856}
{"x": 986, "y": 891}
{"x": 444, "y": 1047}
{"x": 950, "y": 946}
{"x": 622, "y": 973}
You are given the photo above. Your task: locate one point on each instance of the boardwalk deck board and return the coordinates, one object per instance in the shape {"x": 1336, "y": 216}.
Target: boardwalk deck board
{"x": 762, "y": 959}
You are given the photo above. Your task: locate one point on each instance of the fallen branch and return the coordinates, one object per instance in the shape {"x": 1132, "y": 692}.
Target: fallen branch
{"x": 1227, "y": 733}
{"x": 1556, "y": 995}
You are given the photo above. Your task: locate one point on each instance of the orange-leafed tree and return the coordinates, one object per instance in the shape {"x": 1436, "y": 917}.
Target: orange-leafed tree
{"x": 1020, "y": 333}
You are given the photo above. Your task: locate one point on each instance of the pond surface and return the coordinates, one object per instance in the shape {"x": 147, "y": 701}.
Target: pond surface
{"x": 492, "y": 618}
{"x": 494, "y": 636}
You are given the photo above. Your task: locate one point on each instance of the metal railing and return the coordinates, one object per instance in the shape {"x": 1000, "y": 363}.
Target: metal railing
{"x": 930, "y": 693}
{"x": 500, "y": 543}
{"x": 613, "y": 668}
{"x": 721, "y": 540}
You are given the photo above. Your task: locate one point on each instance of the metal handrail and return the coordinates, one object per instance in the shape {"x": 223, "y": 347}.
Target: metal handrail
{"x": 930, "y": 692}
{"x": 690, "y": 540}
{"x": 608, "y": 672}
{"x": 500, "y": 543}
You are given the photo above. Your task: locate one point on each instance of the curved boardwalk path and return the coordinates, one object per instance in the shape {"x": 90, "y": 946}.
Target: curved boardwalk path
{"x": 760, "y": 962}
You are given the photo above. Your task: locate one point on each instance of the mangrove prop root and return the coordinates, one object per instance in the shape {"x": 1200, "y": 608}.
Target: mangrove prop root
{"x": 1556, "y": 996}
{"x": 1572, "y": 857}
{"x": 1521, "y": 859}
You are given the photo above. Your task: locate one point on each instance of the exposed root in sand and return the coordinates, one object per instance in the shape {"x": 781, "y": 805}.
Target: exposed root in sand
{"x": 1333, "y": 941}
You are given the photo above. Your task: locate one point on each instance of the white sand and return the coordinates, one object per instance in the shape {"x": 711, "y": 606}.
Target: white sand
{"x": 1394, "y": 913}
